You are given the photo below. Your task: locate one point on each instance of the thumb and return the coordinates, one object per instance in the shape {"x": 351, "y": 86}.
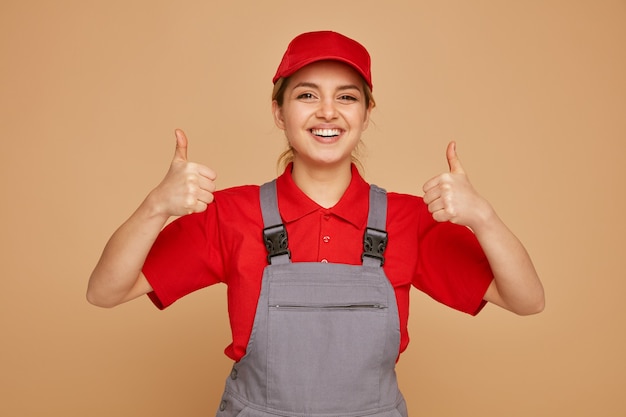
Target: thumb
{"x": 181, "y": 145}
{"x": 453, "y": 159}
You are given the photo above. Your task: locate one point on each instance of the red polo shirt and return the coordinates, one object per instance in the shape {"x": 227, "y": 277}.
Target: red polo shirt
{"x": 225, "y": 244}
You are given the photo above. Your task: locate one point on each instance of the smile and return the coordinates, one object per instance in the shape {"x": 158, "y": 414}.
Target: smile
{"x": 326, "y": 133}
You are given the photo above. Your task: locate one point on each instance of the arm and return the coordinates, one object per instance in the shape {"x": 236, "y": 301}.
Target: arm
{"x": 451, "y": 197}
{"x": 187, "y": 188}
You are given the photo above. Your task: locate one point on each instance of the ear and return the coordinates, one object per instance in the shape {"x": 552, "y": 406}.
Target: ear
{"x": 277, "y": 111}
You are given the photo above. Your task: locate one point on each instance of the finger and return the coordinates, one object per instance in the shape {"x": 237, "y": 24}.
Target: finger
{"x": 181, "y": 145}
{"x": 431, "y": 183}
{"x": 199, "y": 193}
{"x": 436, "y": 205}
{"x": 206, "y": 184}
{"x": 195, "y": 203}
{"x": 431, "y": 195}
{"x": 205, "y": 197}
{"x": 441, "y": 216}
{"x": 201, "y": 206}
{"x": 453, "y": 159}
{"x": 207, "y": 172}
{"x": 197, "y": 207}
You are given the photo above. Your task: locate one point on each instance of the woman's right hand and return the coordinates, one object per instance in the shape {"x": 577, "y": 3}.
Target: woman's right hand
{"x": 187, "y": 187}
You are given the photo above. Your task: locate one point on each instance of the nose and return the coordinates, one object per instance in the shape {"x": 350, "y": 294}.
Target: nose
{"x": 327, "y": 109}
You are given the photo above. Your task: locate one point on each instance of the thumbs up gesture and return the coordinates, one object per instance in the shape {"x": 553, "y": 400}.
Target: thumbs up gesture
{"x": 187, "y": 187}
{"x": 451, "y": 197}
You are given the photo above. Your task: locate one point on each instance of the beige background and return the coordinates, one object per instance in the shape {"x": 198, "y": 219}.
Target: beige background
{"x": 91, "y": 91}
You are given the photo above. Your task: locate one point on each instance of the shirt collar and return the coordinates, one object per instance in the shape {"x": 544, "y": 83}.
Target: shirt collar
{"x": 352, "y": 207}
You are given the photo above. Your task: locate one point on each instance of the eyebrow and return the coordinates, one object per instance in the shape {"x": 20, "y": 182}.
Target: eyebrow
{"x": 313, "y": 85}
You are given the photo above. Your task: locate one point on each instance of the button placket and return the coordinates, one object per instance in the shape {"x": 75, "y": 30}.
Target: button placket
{"x": 325, "y": 237}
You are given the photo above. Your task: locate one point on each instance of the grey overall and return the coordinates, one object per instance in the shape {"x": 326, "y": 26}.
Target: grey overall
{"x": 325, "y": 337}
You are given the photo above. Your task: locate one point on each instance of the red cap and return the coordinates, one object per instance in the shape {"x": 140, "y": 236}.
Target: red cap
{"x": 311, "y": 47}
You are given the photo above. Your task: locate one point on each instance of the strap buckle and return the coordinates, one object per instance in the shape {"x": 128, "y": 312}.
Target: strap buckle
{"x": 276, "y": 242}
{"x": 374, "y": 244}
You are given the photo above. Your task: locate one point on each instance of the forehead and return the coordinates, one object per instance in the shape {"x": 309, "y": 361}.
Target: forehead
{"x": 325, "y": 73}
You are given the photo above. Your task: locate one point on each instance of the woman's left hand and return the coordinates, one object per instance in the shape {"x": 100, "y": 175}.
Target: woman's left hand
{"x": 451, "y": 197}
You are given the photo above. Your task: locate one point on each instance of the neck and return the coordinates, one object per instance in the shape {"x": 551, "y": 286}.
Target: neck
{"x": 324, "y": 186}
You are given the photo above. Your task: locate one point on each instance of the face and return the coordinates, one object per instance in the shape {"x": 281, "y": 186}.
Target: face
{"x": 323, "y": 113}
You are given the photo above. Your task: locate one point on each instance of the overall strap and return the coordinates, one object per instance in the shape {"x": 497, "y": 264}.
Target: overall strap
{"x": 375, "y": 238}
{"x": 274, "y": 232}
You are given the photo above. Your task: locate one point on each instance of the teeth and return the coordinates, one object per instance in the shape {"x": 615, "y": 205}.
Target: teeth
{"x": 325, "y": 132}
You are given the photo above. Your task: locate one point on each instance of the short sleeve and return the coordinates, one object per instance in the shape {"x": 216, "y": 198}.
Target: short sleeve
{"x": 184, "y": 258}
{"x": 452, "y": 267}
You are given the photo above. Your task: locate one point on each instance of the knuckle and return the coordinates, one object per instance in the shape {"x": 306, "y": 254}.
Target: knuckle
{"x": 190, "y": 201}
{"x": 192, "y": 189}
{"x": 191, "y": 178}
{"x": 450, "y": 211}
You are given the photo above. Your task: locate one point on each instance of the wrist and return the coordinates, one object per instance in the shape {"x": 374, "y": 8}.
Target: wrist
{"x": 485, "y": 218}
{"x": 153, "y": 208}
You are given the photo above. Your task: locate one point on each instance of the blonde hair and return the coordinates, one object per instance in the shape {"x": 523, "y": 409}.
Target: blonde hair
{"x": 287, "y": 156}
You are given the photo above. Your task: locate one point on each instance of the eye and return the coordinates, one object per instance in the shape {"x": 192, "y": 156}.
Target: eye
{"x": 306, "y": 96}
{"x": 347, "y": 97}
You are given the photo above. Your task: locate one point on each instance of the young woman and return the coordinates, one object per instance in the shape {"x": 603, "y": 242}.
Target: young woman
{"x": 318, "y": 263}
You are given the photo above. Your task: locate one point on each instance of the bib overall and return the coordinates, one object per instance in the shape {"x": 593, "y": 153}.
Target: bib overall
{"x": 325, "y": 337}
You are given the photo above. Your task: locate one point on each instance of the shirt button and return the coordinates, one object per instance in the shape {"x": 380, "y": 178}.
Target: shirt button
{"x": 326, "y": 216}
{"x": 324, "y": 261}
{"x": 233, "y": 374}
{"x": 223, "y": 405}
{"x": 326, "y": 239}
